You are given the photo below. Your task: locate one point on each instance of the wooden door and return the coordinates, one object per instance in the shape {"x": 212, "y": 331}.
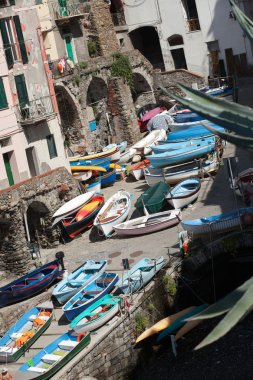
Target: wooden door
{"x": 7, "y": 165}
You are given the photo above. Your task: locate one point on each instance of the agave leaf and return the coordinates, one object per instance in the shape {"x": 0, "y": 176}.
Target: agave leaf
{"x": 243, "y": 142}
{"x": 225, "y": 304}
{"x": 240, "y": 309}
{"x": 231, "y": 116}
{"x": 245, "y": 23}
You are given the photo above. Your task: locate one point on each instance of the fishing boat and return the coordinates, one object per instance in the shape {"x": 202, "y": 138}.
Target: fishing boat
{"x": 153, "y": 198}
{"x": 177, "y": 173}
{"x": 115, "y": 211}
{"x": 184, "y": 193}
{"x": 30, "y": 284}
{"x": 95, "y": 316}
{"x": 53, "y": 357}
{"x": 144, "y": 145}
{"x": 83, "y": 218}
{"x": 108, "y": 153}
{"x": 25, "y": 331}
{"x": 74, "y": 204}
{"x": 109, "y": 178}
{"x": 163, "y": 324}
{"x": 187, "y": 117}
{"x": 181, "y": 145}
{"x": 89, "y": 294}
{"x": 127, "y": 156}
{"x": 148, "y": 224}
{"x": 101, "y": 162}
{"x": 189, "y": 134}
{"x": 82, "y": 276}
{"x": 83, "y": 175}
{"x": 94, "y": 185}
{"x": 115, "y": 156}
{"x": 140, "y": 274}
{"x": 137, "y": 169}
{"x": 181, "y": 321}
{"x": 81, "y": 168}
{"x": 219, "y": 223}
{"x": 181, "y": 155}
{"x": 121, "y": 146}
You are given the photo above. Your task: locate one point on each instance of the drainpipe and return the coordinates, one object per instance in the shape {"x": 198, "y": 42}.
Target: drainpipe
{"x": 47, "y": 71}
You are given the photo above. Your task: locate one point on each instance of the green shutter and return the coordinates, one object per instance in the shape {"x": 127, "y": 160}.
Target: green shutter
{"x": 21, "y": 90}
{"x": 51, "y": 146}
{"x": 6, "y": 42}
{"x": 3, "y": 99}
{"x": 20, "y": 39}
{"x": 7, "y": 165}
{"x": 12, "y": 2}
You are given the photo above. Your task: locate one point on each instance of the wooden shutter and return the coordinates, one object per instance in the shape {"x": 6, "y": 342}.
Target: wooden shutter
{"x": 6, "y": 42}
{"x": 20, "y": 39}
{"x": 21, "y": 90}
{"x": 3, "y": 99}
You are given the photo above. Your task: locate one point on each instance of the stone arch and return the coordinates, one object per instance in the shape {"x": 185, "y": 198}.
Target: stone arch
{"x": 70, "y": 112}
{"x": 38, "y": 224}
{"x": 147, "y": 41}
{"x": 142, "y": 92}
{"x": 175, "y": 39}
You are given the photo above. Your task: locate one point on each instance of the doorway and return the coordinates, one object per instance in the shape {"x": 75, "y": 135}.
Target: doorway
{"x": 32, "y": 161}
{"x": 7, "y": 164}
{"x": 69, "y": 48}
{"x": 179, "y": 58}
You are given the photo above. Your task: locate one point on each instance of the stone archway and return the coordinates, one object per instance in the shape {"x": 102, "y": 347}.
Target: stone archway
{"x": 146, "y": 40}
{"x": 38, "y": 225}
{"x": 69, "y": 110}
{"x": 142, "y": 92}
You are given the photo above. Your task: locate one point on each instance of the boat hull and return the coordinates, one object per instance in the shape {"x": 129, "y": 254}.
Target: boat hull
{"x": 179, "y": 197}
{"x": 108, "y": 179}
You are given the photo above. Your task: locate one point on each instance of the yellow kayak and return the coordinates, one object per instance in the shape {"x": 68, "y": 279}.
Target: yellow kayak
{"x": 163, "y": 324}
{"x": 82, "y": 168}
{"x": 108, "y": 152}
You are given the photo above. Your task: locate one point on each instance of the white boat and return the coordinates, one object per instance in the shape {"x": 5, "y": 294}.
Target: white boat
{"x": 176, "y": 173}
{"x": 127, "y": 156}
{"x": 144, "y": 145}
{"x": 149, "y": 223}
{"x": 137, "y": 170}
{"x": 115, "y": 156}
{"x": 83, "y": 176}
{"x": 115, "y": 211}
{"x": 184, "y": 193}
{"x": 74, "y": 204}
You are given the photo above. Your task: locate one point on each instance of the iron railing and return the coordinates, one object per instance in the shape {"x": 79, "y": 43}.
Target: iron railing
{"x": 35, "y": 111}
{"x": 72, "y": 8}
{"x": 193, "y": 24}
{"x": 118, "y": 19}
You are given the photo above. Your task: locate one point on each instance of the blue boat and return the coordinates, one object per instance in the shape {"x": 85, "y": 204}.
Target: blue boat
{"x": 89, "y": 294}
{"x": 190, "y": 133}
{"x": 180, "y": 145}
{"x": 94, "y": 185}
{"x": 103, "y": 162}
{"x": 181, "y": 155}
{"x": 220, "y": 223}
{"x": 187, "y": 117}
{"x": 109, "y": 178}
{"x": 30, "y": 284}
{"x": 53, "y": 357}
{"x": 121, "y": 146}
{"x": 81, "y": 277}
{"x": 140, "y": 274}
{"x": 25, "y": 331}
{"x": 180, "y": 322}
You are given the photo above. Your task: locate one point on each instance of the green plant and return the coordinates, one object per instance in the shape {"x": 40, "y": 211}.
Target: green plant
{"x": 141, "y": 322}
{"x": 150, "y": 307}
{"x": 92, "y": 48}
{"x": 170, "y": 285}
{"x": 83, "y": 65}
{"x": 238, "y": 120}
{"x": 121, "y": 67}
{"x": 76, "y": 80}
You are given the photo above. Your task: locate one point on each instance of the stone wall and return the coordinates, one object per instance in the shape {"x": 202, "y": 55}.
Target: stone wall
{"x": 114, "y": 356}
{"x": 37, "y": 198}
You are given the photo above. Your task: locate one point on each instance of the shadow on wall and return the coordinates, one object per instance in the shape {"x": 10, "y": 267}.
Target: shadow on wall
{"x": 37, "y": 132}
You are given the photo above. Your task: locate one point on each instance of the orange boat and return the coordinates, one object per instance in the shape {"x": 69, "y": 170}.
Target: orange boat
{"x": 137, "y": 169}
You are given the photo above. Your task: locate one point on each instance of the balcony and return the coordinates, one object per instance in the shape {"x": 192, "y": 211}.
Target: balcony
{"x": 193, "y": 24}
{"x": 72, "y": 11}
{"x": 56, "y": 74}
{"x": 119, "y": 21}
{"x": 37, "y": 110}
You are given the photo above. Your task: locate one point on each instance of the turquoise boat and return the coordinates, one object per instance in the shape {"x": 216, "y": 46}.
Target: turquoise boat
{"x": 53, "y": 357}
{"x": 180, "y": 322}
{"x": 153, "y": 198}
{"x": 97, "y": 314}
{"x": 82, "y": 276}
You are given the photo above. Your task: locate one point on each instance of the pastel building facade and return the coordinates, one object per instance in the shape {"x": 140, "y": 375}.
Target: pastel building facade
{"x": 31, "y": 140}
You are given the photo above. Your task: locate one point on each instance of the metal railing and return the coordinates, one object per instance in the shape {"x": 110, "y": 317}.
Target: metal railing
{"x": 193, "y": 24}
{"x": 53, "y": 65}
{"x": 72, "y": 9}
{"x": 36, "y": 110}
{"x": 118, "y": 19}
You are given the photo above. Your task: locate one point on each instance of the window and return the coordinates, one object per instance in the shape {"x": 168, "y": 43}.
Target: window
{"x": 4, "y": 3}
{"x": 176, "y": 40}
{"x": 191, "y": 15}
{"x": 51, "y": 146}
{"x": 3, "y": 99}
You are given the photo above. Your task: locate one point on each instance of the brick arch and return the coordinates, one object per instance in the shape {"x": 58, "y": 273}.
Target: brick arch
{"x": 70, "y": 112}
{"x": 142, "y": 92}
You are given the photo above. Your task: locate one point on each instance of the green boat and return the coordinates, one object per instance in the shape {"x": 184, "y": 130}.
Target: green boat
{"x": 153, "y": 198}
{"x": 26, "y": 330}
{"x": 53, "y": 357}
